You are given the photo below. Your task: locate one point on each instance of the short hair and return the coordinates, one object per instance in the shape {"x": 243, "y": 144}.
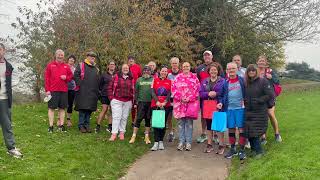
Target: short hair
{"x": 231, "y": 63}
{"x": 59, "y": 50}
{"x": 131, "y": 57}
{"x": 174, "y": 59}
{"x": 217, "y": 66}
{"x": 237, "y": 55}
{"x": 73, "y": 57}
{"x": 2, "y": 46}
{"x": 263, "y": 57}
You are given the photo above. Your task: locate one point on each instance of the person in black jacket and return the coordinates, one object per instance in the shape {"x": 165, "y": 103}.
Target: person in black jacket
{"x": 105, "y": 79}
{"x": 257, "y": 94}
{"x": 86, "y": 76}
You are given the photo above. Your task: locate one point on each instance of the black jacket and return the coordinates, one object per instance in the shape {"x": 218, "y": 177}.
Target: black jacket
{"x": 105, "y": 79}
{"x": 8, "y": 80}
{"x": 87, "y": 96}
{"x": 258, "y": 92}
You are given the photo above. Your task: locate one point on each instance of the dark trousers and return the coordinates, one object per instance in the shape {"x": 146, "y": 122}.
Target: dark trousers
{"x": 159, "y": 133}
{"x": 84, "y": 118}
{"x": 255, "y": 145}
{"x": 71, "y": 95}
{"x": 5, "y": 122}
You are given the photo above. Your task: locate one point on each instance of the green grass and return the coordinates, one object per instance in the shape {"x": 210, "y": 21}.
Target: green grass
{"x": 69, "y": 155}
{"x": 298, "y": 156}
{"x": 294, "y": 81}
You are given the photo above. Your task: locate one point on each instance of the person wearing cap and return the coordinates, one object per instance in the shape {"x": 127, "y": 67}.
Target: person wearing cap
{"x": 86, "y": 76}
{"x": 241, "y": 70}
{"x": 135, "y": 70}
{"x": 105, "y": 80}
{"x": 6, "y": 70}
{"x": 143, "y": 99}
{"x": 57, "y": 75}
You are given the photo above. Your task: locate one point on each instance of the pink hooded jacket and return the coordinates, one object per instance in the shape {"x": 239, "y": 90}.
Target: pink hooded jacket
{"x": 186, "y": 86}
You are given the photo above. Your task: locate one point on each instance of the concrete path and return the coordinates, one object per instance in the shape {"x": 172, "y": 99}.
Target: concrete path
{"x": 172, "y": 164}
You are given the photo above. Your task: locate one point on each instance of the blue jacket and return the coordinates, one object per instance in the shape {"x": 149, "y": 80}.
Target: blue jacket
{"x": 223, "y": 97}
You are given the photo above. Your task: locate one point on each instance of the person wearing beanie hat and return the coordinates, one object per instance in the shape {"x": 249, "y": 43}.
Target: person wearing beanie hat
{"x": 143, "y": 100}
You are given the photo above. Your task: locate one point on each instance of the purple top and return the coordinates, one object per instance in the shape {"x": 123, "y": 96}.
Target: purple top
{"x": 206, "y": 87}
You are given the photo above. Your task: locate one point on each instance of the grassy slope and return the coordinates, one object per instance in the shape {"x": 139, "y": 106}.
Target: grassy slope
{"x": 298, "y": 156}
{"x": 68, "y": 155}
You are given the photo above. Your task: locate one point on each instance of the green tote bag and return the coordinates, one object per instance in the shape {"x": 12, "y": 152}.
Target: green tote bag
{"x": 158, "y": 118}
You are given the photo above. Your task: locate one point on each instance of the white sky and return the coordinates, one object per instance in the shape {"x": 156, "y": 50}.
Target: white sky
{"x": 295, "y": 52}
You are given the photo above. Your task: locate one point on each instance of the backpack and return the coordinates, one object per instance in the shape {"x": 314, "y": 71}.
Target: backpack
{"x": 276, "y": 87}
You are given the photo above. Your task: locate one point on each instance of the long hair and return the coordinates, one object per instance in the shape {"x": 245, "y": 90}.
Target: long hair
{"x": 251, "y": 67}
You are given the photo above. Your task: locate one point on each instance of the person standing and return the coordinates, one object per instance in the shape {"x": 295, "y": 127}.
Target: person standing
{"x": 71, "y": 89}
{"x": 185, "y": 90}
{"x": 86, "y": 76}
{"x": 57, "y": 75}
{"x": 105, "y": 80}
{"x": 6, "y": 70}
{"x": 258, "y": 93}
{"x": 241, "y": 70}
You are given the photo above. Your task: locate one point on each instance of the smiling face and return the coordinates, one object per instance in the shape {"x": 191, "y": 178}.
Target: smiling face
{"x": 59, "y": 55}
{"x": 213, "y": 71}
{"x": 112, "y": 66}
{"x": 237, "y": 59}
{"x": 174, "y": 62}
{"x": 207, "y": 58}
{"x": 131, "y": 61}
{"x": 71, "y": 61}
{"x": 125, "y": 69}
{"x": 152, "y": 65}
{"x": 164, "y": 72}
{"x": 232, "y": 70}
{"x": 252, "y": 73}
{"x": 186, "y": 67}
{"x": 262, "y": 62}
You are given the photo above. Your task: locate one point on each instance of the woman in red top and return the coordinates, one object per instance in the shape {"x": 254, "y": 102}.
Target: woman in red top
{"x": 161, "y": 93}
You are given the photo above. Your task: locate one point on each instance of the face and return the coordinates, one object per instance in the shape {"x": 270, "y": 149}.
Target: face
{"x": 237, "y": 60}
{"x": 2, "y": 52}
{"x": 175, "y": 64}
{"x": 164, "y": 72}
{"x": 152, "y": 66}
{"x": 213, "y": 72}
{"x": 71, "y": 61}
{"x": 186, "y": 67}
{"x": 207, "y": 58}
{"x": 131, "y": 61}
{"x": 112, "y": 66}
{"x": 262, "y": 62}
{"x": 60, "y": 56}
{"x": 252, "y": 73}
{"x": 125, "y": 69}
{"x": 91, "y": 59}
{"x": 232, "y": 70}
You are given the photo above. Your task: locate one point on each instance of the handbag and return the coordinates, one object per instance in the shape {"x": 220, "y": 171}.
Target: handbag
{"x": 158, "y": 118}
{"x": 219, "y": 122}
{"x": 192, "y": 110}
{"x": 277, "y": 89}
{"x": 209, "y": 106}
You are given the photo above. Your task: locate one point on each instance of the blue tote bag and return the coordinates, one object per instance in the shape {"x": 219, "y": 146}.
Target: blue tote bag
{"x": 219, "y": 121}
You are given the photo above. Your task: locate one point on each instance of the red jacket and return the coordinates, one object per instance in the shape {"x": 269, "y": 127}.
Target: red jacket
{"x": 162, "y": 89}
{"x": 135, "y": 70}
{"x": 52, "y": 74}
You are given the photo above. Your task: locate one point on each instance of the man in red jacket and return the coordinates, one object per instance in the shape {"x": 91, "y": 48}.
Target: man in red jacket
{"x": 57, "y": 76}
{"x": 136, "y": 72}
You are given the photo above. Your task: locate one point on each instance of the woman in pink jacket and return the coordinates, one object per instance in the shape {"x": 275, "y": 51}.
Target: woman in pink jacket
{"x": 185, "y": 90}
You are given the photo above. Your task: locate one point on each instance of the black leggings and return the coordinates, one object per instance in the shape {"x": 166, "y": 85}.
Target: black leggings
{"x": 255, "y": 144}
{"x": 71, "y": 95}
{"x": 159, "y": 133}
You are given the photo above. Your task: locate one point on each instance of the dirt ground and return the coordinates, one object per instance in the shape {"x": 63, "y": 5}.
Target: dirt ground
{"x": 172, "y": 164}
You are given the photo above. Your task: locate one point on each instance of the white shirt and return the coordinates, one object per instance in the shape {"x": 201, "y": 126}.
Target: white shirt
{"x": 3, "y": 90}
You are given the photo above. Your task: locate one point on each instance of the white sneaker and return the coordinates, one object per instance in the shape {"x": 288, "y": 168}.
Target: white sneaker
{"x": 180, "y": 147}
{"x": 15, "y": 153}
{"x": 155, "y": 147}
{"x": 188, "y": 147}
{"x": 161, "y": 146}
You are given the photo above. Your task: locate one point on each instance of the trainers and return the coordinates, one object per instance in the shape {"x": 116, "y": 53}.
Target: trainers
{"x": 97, "y": 129}
{"x": 242, "y": 155}
{"x": 188, "y": 147}
{"x": 220, "y": 150}
{"x": 155, "y": 147}
{"x": 180, "y": 147}
{"x": 88, "y": 129}
{"x": 113, "y": 137}
{"x": 59, "y": 128}
{"x": 133, "y": 139}
{"x": 121, "y": 136}
{"x": 202, "y": 138}
{"x": 109, "y": 129}
{"x": 63, "y": 129}
{"x": 15, "y": 153}
{"x": 278, "y": 138}
{"x": 248, "y": 146}
{"x": 264, "y": 141}
{"x": 147, "y": 139}
{"x": 171, "y": 137}
{"x": 83, "y": 130}
{"x": 208, "y": 149}
{"x": 161, "y": 146}
{"x": 232, "y": 152}
{"x": 50, "y": 129}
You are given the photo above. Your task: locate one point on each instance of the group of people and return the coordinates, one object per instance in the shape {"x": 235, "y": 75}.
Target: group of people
{"x": 246, "y": 95}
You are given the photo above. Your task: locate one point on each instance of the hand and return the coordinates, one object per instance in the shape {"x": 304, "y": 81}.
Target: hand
{"x": 135, "y": 106}
{"x": 212, "y": 94}
{"x": 269, "y": 76}
{"x": 163, "y": 104}
{"x": 158, "y": 104}
{"x": 63, "y": 77}
{"x": 219, "y": 106}
{"x": 48, "y": 93}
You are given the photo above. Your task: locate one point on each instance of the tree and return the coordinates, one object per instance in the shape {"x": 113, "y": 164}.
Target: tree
{"x": 302, "y": 71}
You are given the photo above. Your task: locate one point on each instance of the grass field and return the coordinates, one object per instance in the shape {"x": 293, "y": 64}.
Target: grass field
{"x": 297, "y": 157}
{"x": 69, "y": 155}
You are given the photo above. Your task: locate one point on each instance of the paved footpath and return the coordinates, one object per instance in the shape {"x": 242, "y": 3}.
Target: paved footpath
{"x": 172, "y": 164}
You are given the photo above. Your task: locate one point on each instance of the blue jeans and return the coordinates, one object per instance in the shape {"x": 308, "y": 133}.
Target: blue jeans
{"x": 5, "y": 123}
{"x": 84, "y": 118}
{"x": 185, "y": 130}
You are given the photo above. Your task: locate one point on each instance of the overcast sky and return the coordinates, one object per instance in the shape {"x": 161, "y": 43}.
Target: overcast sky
{"x": 295, "y": 52}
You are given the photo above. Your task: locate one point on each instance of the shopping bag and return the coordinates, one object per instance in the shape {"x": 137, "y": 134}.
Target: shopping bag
{"x": 158, "y": 118}
{"x": 193, "y": 109}
{"x": 219, "y": 121}
{"x": 209, "y": 106}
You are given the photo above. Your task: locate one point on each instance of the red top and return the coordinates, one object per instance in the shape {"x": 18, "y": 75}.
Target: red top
{"x": 53, "y": 81}
{"x": 161, "y": 88}
{"x": 136, "y": 72}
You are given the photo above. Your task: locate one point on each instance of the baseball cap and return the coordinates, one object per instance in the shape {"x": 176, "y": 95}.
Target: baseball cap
{"x": 207, "y": 52}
